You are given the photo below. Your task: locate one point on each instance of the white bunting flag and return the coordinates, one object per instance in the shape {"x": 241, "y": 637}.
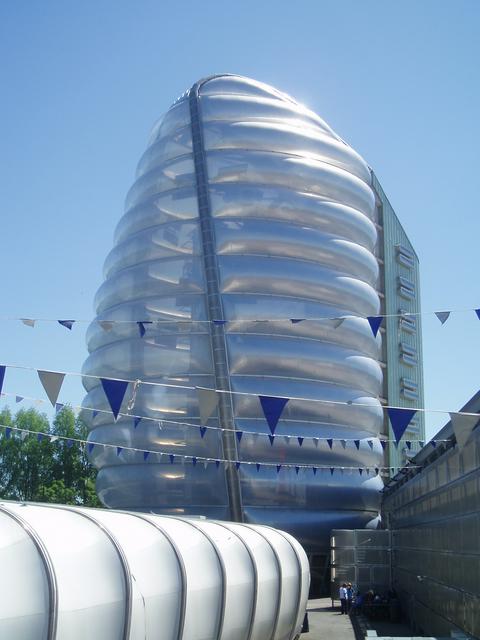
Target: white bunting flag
{"x": 207, "y": 401}
{"x": 442, "y": 316}
{"x": 337, "y": 322}
{"x": 52, "y": 383}
{"x": 28, "y": 322}
{"x": 463, "y": 427}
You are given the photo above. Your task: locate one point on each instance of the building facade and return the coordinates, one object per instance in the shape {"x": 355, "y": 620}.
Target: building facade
{"x": 247, "y": 253}
{"x": 402, "y": 359}
{"x": 433, "y": 512}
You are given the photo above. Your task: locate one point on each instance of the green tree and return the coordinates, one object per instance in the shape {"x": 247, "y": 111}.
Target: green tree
{"x": 34, "y": 468}
{"x": 25, "y": 460}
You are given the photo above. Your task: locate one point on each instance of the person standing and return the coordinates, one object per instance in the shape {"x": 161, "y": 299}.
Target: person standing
{"x": 342, "y": 593}
{"x": 349, "y": 596}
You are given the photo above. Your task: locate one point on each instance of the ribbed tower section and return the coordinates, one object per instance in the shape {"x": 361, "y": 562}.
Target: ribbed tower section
{"x": 246, "y": 207}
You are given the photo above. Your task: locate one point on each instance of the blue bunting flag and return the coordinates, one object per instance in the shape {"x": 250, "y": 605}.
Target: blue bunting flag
{"x": 115, "y": 392}
{"x": 400, "y": 419}
{"x": 272, "y": 410}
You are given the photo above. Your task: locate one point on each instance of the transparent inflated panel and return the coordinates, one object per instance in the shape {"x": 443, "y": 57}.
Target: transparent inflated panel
{"x": 246, "y": 207}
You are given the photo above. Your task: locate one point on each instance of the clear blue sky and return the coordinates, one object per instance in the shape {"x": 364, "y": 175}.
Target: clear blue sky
{"x": 82, "y": 83}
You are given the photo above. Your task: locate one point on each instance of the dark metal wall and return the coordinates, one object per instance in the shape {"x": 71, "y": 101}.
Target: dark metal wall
{"x": 435, "y": 521}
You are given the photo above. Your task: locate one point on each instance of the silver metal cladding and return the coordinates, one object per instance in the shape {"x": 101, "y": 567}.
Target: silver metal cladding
{"x": 287, "y": 218}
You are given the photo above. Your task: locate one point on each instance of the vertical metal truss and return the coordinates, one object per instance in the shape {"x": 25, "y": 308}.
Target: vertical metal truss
{"x": 215, "y": 308}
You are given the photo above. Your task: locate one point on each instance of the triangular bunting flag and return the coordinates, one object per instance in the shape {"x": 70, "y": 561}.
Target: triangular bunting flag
{"x": 119, "y": 450}
{"x": 69, "y": 443}
{"x": 2, "y": 376}
{"x": 271, "y": 438}
{"x": 409, "y": 444}
{"x": 332, "y": 469}
{"x": 8, "y": 432}
{"x": 205, "y": 464}
{"x": 421, "y": 443}
{"x": 400, "y": 419}
{"x": 58, "y": 406}
{"x": 217, "y": 463}
{"x": 330, "y": 442}
{"x": 53, "y": 438}
{"x": 237, "y": 465}
{"x": 376, "y": 471}
{"x": 202, "y": 431}
{"x": 477, "y": 311}
{"x": 18, "y": 398}
{"x": 360, "y": 471}
{"x": 141, "y": 327}
{"x": 442, "y": 316}
{"x": 23, "y": 435}
{"x": 66, "y": 323}
{"x": 375, "y": 322}
{"x": 462, "y": 427}
{"x": 337, "y": 322}
{"x": 94, "y": 414}
{"x": 106, "y": 325}
{"x": 258, "y": 466}
{"x": 370, "y": 443}
{"x": 279, "y": 466}
{"x": 384, "y": 444}
{"x": 300, "y": 440}
{"x": 272, "y": 410}
{"x": 52, "y": 383}
{"x": 136, "y": 422}
{"x": 219, "y": 322}
{"x": 239, "y": 435}
{"x": 39, "y": 437}
{"x": 115, "y": 392}
{"x": 287, "y": 439}
{"x": 172, "y": 458}
{"x": 194, "y": 461}
{"x": 297, "y": 469}
{"x": 207, "y": 402}
{"x": 314, "y": 469}
{"x": 357, "y": 444}
{"x": 145, "y": 455}
{"x": 343, "y": 443}
{"x": 296, "y": 320}
{"x": 90, "y": 447}
{"x": 28, "y": 322}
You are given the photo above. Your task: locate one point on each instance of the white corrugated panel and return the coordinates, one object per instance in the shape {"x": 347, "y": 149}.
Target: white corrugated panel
{"x": 72, "y": 573}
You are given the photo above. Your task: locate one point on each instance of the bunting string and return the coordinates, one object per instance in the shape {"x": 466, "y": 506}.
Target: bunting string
{"x": 172, "y": 458}
{"x": 138, "y": 382}
{"x": 287, "y": 438}
{"x": 107, "y": 324}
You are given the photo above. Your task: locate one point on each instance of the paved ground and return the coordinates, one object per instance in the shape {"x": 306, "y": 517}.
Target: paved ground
{"x": 327, "y": 624}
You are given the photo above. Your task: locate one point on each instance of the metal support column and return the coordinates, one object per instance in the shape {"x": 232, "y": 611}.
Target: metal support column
{"x": 215, "y": 309}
